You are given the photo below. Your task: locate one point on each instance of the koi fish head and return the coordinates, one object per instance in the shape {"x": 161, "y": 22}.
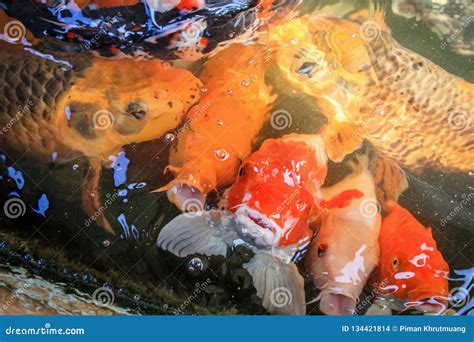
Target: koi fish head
{"x": 302, "y": 61}
{"x": 411, "y": 267}
{"x": 339, "y": 267}
{"x": 107, "y": 108}
{"x": 323, "y": 56}
{"x": 345, "y": 250}
{"x": 273, "y": 214}
{"x": 269, "y": 196}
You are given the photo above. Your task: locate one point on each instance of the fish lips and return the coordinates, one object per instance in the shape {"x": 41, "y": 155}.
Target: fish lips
{"x": 256, "y": 228}
{"x": 337, "y": 302}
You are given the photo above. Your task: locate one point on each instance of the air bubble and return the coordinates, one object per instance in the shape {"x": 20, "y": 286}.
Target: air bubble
{"x": 195, "y": 266}
{"x": 221, "y": 154}
{"x": 170, "y": 137}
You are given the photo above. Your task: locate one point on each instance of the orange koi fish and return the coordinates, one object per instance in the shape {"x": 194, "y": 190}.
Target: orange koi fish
{"x": 369, "y": 86}
{"x": 411, "y": 267}
{"x": 269, "y": 209}
{"x": 218, "y": 132}
{"x": 91, "y": 109}
{"x": 345, "y": 251}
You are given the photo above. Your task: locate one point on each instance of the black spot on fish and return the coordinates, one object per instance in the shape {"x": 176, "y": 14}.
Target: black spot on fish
{"x": 306, "y": 68}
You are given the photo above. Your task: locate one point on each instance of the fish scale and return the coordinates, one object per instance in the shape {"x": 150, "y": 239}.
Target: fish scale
{"x": 34, "y": 84}
{"x": 416, "y": 108}
{"x": 398, "y": 100}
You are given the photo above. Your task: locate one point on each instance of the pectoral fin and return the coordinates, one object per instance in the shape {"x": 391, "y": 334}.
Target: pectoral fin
{"x": 207, "y": 233}
{"x": 91, "y": 195}
{"x": 280, "y": 286}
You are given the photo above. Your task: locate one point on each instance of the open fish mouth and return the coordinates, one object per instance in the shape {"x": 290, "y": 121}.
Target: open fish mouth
{"x": 336, "y": 300}
{"x": 257, "y": 226}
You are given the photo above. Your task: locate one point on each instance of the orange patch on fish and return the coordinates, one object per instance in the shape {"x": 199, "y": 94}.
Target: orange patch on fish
{"x": 342, "y": 200}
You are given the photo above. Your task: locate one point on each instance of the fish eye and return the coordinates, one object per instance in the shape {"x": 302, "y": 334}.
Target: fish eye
{"x": 306, "y": 68}
{"x": 137, "y": 109}
{"x": 322, "y": 249}
{"x": 395, "y": 262}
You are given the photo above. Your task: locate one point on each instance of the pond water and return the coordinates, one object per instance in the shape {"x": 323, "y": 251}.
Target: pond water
{"x": 83, "y": 145}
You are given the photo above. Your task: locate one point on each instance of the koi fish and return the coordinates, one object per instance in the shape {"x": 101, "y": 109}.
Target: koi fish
{"x": 411, "y": 268}
{"x": 218, "y": 132}
{"x": 345, "y": 250}
{"x": 269, "y": 209}
{"x": 91, "y": 109}
{"x": 164, "y": 29}
{"x": 369, "y": 86}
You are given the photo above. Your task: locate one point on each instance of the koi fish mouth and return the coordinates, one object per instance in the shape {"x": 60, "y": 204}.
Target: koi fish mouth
{"x": 337, "y": 301}
{"x": 258, "y": 227}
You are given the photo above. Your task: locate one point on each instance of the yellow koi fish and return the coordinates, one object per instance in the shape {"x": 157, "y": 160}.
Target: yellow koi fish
{"x": 369, "y": 86}
{"x": 89, "y": 107}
